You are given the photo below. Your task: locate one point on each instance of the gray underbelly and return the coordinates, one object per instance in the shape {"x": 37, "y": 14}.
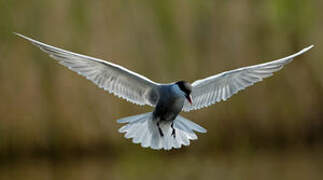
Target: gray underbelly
{"x": 169, "y": 110}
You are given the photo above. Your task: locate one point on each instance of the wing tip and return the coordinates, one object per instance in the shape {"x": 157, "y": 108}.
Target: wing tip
{"x": 307, "y": 48}
{"x": 24, "y": 37}
{"x": 310, "y": 47}
{"x": 18, "y": 34}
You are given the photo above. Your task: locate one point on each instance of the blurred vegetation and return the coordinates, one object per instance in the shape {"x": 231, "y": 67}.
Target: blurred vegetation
{"x": 67, "y": 125}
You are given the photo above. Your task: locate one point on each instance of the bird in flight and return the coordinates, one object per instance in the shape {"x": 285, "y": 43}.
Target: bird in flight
{"x": 163, "y": 128}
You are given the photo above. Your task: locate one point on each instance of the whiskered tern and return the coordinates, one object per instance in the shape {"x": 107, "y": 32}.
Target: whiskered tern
{"x": 163, "y": 128}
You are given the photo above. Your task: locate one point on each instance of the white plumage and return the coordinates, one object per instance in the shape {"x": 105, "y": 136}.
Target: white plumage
{"x": 222, "y": 86}
{"x": 141, "y": 129}
{"x": 163, "y": 128}
{"x": 113, "y": 78}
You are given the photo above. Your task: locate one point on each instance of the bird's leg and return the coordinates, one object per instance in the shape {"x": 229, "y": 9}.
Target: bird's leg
{"x": 160, "y": 130}
{"x": 173, "y": 132}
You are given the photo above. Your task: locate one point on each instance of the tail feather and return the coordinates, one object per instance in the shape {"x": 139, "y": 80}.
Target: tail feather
{"x": 133, "y": 119}
{"x": 143, "y": 129}
{"x": 189, "y": 124}
{"x": 191, "y": 135}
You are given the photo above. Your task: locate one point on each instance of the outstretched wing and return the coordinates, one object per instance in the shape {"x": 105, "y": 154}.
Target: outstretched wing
{"x": 222, "y": 86}
{"x": 111, "y": 77}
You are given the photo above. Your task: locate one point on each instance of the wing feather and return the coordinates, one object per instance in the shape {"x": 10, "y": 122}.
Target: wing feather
{"x": 222, "y": 86}
{"x": 111, "y": 77}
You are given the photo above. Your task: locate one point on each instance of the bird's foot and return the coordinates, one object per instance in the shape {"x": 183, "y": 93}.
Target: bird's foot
{"x": 160, "y": 130}
{"x": 173, "y": 131}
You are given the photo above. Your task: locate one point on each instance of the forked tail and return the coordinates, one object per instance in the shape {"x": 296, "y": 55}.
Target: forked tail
{"x": 144, "y": 130}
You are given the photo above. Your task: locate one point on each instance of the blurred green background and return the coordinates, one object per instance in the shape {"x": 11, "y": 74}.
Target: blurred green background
{"x": 55, "y": 124}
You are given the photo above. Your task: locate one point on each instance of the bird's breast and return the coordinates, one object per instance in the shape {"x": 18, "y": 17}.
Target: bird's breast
{"x": 168, "y": 107}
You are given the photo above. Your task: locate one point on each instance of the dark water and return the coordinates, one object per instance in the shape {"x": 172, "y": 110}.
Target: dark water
{"x": 291, "y": 164}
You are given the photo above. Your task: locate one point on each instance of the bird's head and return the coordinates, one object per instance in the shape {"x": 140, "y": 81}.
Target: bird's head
{"x": 186, "y": 88}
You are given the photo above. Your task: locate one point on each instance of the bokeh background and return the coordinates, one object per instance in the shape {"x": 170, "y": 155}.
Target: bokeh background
{"x": 55, "y": 124}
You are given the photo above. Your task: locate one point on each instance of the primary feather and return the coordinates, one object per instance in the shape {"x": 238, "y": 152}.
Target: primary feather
{"x": 163, "y": 128}
{"x": 222, "y": 86}
{"x": 111, "y": 77}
